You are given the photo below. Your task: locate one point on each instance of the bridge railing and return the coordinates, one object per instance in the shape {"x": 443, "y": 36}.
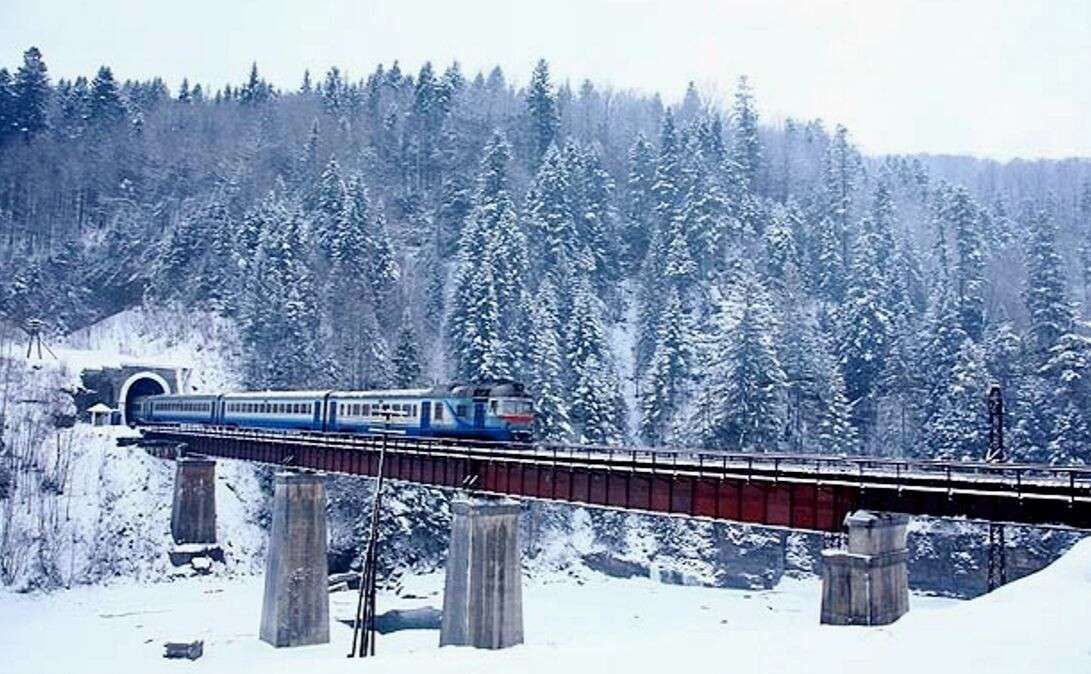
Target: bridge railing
{"x": 1072, "y": 482}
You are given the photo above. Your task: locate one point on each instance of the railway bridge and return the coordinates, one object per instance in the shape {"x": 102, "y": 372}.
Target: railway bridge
{"x": 871, "y": 497}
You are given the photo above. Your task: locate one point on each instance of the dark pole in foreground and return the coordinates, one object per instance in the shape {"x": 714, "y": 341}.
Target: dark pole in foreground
{"x": 998, "y": 562}
{"x": 363, "y": 629}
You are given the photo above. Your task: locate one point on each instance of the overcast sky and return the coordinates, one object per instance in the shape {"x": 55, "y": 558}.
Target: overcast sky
{"x": 999, "y": 79}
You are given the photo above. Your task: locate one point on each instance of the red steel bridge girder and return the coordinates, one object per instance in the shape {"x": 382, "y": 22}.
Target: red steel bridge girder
{"x": 798, "y": 492}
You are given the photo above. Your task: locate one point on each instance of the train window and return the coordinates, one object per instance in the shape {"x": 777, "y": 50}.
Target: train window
{"x": 492, "y": 406}
{"x": 460, "y": 411}
{"x": 413, "y": 411}
{"x": 437, "y": 410}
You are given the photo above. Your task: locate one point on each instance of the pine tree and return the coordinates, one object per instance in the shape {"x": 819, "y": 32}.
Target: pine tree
{"x": 864, "y": 328}
{"x": 667, "y": 196}
{"x": 1050, "y": 313}
{"x": 835, "y": 432}
{"x": 9, "y": 106}
{"x": 280, "y": 319}
{"x": 491, "y": 273}
{"x": 705, "y": 210}
{"x": 961, "y": 216}
{"x": 106, "y": 104}
{"x": 542, "y": 108}
{"x": 593, "y": 385}
{"x": 746, "y": 152}
{"x": 549, "y": 213}
{"x": 829, "y": 264}
{"x": 407, "y": 358}
{"x": 256, "y": 90}
{"x": 664, "y": 386}
{"x": 544, "y": 365}
{"x": 740, "y": 404}
{"x": 591, "y": 202}
{"x": 841, "y": 171}
{"x": 32, "y": 94}
{"x": 639, "y": 203}
{"x": 781, "y": 251}
{"x": 959, "y": 429}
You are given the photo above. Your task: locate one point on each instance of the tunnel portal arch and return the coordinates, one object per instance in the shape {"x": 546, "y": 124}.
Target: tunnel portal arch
{"x": 140, "y": 385}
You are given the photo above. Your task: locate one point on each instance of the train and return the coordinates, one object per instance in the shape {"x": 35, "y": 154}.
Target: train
{"x": 500, "y": 411}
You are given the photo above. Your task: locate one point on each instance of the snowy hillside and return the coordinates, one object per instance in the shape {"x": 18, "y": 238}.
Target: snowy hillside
{"x": 75, "y": 507}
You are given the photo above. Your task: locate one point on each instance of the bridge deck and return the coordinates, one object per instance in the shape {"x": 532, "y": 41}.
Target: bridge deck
{"x": 812, "y": 492}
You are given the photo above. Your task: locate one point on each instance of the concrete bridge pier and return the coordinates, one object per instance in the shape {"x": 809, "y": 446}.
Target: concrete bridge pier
{"x": 868, "y": 584}
{"x": 193, "y": 513}
{"x": 296, "y": 606}
{"x": 483, "y": 592}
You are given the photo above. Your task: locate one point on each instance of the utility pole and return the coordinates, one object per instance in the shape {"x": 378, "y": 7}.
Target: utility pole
{"x": 363, "y": 627}
{"x": 994, "y": 453}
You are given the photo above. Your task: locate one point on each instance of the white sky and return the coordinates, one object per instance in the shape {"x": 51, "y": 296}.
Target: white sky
{"x": 997, "y": 78}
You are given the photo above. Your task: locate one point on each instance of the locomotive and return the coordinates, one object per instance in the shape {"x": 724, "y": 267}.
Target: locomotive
{"x": 490, "y": 411}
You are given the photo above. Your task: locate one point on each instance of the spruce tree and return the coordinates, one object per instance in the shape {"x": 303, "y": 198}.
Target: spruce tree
{"x": 959, "y": 429}
{"x": 32, "y": 94}
{"x": 407, "y": 357}
{"x": 544, "y": 365}
{"x": 541, "y": 105}
{"x": 106, "y": 104}
{"x": 593, "y": 389}
{"x": 490, "y": 275}
{"x": 842, "y": 168}
{"x": 1044, "y": 293}
{"x": 664, "y": 386}
{"x": 746, "y": 152}
{"x": 639, "y": 203}
{"x": 8, "y": 105}
{"x": 740, "y": 404}
{"x": 549, "y": 213}
{"x": 834, "y": 432}
{"x": 961, "y": 215}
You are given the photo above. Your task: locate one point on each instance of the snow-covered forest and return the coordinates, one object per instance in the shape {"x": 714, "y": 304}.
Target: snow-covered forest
{"x": 685, "y": 274}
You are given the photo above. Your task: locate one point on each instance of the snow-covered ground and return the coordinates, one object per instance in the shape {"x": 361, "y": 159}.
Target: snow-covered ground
{"x": 1037, "y": 624}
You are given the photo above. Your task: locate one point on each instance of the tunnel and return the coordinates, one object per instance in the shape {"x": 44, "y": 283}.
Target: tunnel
{"x": 137, "y": 388}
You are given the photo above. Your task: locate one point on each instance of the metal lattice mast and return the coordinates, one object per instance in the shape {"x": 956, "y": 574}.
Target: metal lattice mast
{"x": 994, "y": 453}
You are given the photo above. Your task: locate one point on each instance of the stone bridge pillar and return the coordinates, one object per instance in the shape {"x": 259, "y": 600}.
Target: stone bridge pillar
{"x": 868, "y": 584}
{"x": 483, "y": 592}
{"x": 193, "y": 513}
{"x": 295, "y": 609}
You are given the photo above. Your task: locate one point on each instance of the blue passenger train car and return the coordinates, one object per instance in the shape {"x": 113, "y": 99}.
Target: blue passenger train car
{"x": 492, "y": 411}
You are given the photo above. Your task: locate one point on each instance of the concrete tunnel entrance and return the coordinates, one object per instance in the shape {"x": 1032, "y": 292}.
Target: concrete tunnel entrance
{"x": 137, "y": 388}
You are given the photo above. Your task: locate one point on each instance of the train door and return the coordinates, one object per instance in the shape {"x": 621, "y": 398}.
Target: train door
{"x": 333, "y": 415}
{"x": 479, "y": 415}
{"x": 425, "y": 415}
{"x": 317, "y": 414}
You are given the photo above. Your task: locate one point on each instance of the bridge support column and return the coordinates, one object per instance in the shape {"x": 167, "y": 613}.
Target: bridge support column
{"x": 483, "y": 593}
{"x": 193, "y": 513}
{"x": 295, "y": 609}
{"x": 868, "y": 584}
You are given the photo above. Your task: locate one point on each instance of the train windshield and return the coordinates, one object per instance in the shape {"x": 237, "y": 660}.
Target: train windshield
{"x": 516, "y": 407}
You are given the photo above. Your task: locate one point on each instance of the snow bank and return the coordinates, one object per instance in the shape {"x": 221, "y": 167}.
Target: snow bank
{"x": 572, "y": 625}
